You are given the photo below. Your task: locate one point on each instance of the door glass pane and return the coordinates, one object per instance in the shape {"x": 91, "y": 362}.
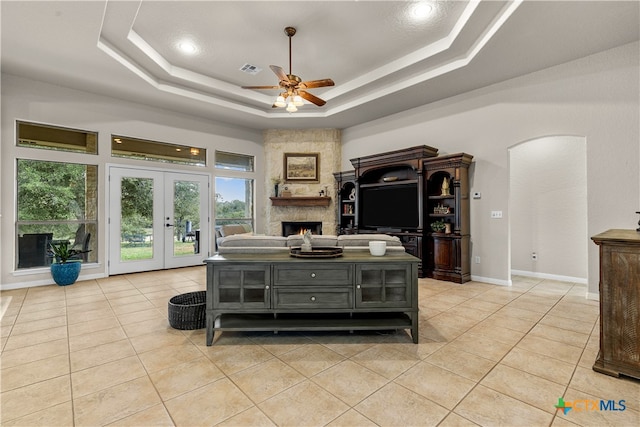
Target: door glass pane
{"x": 186, "y": 211}
{"x": 136, "y": 227}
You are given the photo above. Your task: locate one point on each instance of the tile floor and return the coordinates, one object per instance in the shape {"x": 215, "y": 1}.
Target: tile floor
{"x": 101, "y": 353}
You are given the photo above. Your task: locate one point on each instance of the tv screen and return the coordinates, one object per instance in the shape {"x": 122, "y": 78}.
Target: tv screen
{"x": 394, "y": 206}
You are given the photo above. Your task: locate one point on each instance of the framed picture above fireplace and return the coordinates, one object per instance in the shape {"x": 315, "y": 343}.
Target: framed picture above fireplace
{"x": 301, "y": 167}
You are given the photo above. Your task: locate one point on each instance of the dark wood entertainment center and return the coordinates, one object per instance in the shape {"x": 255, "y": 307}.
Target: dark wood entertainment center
{"x": 400, "y": 193}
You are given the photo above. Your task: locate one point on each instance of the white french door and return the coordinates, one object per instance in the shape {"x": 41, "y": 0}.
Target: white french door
{"x": 157, "y": 219}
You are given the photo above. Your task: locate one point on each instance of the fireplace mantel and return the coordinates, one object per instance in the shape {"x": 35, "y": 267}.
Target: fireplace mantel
{"x": 300, "y": 201}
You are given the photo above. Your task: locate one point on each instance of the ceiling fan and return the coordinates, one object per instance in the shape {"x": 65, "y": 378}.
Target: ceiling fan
{"x": 292, "y": 86}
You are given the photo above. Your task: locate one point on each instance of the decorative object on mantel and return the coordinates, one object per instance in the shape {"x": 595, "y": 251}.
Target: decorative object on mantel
{"x": 286, "y": 192}
{"x": 300, "y": 201}
{"x": 638, "y": 229}
{"x": 301, "y": 167}
{"x": 276, "y": 181}
{"x": 445, "y": 187}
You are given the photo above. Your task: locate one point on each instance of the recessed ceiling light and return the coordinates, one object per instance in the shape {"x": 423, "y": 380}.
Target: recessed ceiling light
{"x": 421, "y": 10}
{"x": 187, "y": 47}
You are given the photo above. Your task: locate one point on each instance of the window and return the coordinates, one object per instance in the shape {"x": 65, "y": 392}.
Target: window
{"x": 56, "y": 138}
{"x": 236, "y": 162}
{"x": 56, "y": 202}
{"x": 234, "y": 201}
{"x": 133, "y": 148}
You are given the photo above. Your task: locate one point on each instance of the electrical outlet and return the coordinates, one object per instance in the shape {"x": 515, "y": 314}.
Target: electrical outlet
{"x": 496, "y": 214}
{"x": 477, "y": 260}
{"x": 534, "y": 256}
{"x": 477, "y": 195}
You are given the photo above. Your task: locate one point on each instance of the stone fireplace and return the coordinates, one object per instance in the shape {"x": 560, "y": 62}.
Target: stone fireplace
{"x": 300, "y": 227}
{"x": 324, "y": 142}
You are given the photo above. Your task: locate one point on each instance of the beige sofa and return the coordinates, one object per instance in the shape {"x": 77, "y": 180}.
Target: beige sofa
{"x": 236, "y": 239}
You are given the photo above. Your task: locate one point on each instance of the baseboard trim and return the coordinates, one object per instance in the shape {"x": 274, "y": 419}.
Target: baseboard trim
{"x": 47, "y": 282}
{"x": 579, "y": 280}
{"x": 491, "y": 280}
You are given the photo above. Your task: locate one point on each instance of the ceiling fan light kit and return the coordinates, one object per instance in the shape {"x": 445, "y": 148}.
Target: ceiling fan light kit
{"x": 293, "y": 87}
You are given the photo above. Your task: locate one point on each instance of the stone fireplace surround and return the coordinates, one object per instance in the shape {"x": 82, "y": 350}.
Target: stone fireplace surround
{"x": 325, "y": 142}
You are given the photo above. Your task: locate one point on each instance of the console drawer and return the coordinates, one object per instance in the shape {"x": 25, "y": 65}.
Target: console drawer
{"x": 313, "y": 274}
{"x": 312, "y": 297}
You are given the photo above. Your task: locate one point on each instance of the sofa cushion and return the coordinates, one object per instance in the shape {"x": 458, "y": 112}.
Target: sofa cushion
{"x": 364, "y": 239}
{"x": 250, "y": 240}
{"x": 316, "y": 240}
{"x": 231, "y": 229}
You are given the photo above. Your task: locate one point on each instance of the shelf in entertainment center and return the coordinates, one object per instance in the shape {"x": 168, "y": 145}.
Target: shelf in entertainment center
{"x": 390, "y": 183}
{"x": 300, "y": 201}
{"x": 432, "y": 215}
{"x": 441, "y": 197}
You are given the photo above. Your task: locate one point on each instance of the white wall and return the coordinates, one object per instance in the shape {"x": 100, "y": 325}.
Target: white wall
{"x": 596, "y": 97}
{"x": 548, "y": 207}
{"x": 29, "y": 100}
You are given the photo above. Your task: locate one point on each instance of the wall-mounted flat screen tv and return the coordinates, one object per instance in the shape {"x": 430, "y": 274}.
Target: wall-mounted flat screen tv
{"x": 393, "y": 206}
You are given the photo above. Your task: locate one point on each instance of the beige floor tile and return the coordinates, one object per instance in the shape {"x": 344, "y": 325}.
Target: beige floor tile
{"x": 33, "y": 398}
{"x": 561, "y": 335}
{"x": 121, "y": 293}
{"x": 303, "y": 404}
{"x": 85, "y": 299}
{"x": 436, "y": 384}
{"x": 562, "y": 323}
{"x": 462, "y": 363}
{"x": 352, "y": 418}
{"x": 438, "y": 333}
{"x": 409, "y": 408}
{"x": 93, "y": 325}
{"x": 185, "y": 377}
{"x": 607, "y": 387}
{"x": 117, "y": 402}
{"x": 487, "y": 407}
{"x": 141, "y": 316}
{"x": 101, "y": 377}
{"x": 350, "y": 382}
{"x": 537, "y": 364}
{"x": 481, "y": 345}
{"x": 217, "y": 401}
{"x": 31, "y": 338}
{"x": 88, "y": 307}
{"x": 135, "y": 299}
{"x": 34, "y": 372}
{"x": 385, "y": 360}
{"x": 575, "y": 312}
{"x": 253, "y": 417}
{"x": 59, "y": 415}
{"x": 525, "y": 387}
{"x": 267, "y": 379}
{"x": 86, "y": 316}
{"x": 154, "y": 340}
{"x": 100, "y": 354}
{"x": 547, "y": 347}
{"x": 505, "y": 335}
{"x": 146, "y": 327}
{"x": 33, "y": 353}
{"x": 235, "y": 358}
{"x": 94, "y": 339}
{"x": 311, "y": 359}
{"x": 469, "y": 312}
{"x": 346, "y": 344}
{"x": 504, "y": 321}
{"x": 169, "y": 356}
{"x": 280, "y": 343}
{"x": 455, "y": 420}
{"x": 156, "y": 416}
{"x": 38, "y": 325}
{"x": 133, "y": 308}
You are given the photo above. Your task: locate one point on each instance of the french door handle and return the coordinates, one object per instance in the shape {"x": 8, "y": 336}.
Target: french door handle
{"x": 169, "y": 225}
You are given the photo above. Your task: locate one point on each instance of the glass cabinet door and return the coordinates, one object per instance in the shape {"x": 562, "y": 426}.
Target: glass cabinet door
{"x": 382, "y": 286}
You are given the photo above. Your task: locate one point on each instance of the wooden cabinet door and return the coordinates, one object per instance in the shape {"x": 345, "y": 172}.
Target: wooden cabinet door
{"x": 242, "y": 286}
{"x": 382, "y": 286}
{"x": 443, "y": 253}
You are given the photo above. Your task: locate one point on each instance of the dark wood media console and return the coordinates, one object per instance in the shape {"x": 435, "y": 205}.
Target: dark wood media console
{"x": 276, "y": 292}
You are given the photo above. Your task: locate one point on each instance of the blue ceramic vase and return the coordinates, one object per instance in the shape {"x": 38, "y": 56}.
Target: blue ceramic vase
{"x": 65, "y": 274}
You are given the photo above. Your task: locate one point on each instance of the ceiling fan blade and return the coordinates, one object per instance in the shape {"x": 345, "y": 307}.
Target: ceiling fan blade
{"x": 282, "y": 76}
{"x": 311, "y": 98}
{"x": 260, "y": 87}
{"x": 317, "y": 83}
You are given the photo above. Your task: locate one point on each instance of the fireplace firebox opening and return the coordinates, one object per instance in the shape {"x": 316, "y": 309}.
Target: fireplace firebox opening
{"x": 300, "y": 227}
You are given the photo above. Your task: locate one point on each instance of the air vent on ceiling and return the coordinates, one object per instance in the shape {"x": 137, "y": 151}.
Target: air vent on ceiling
{"x": 250, "y": 69}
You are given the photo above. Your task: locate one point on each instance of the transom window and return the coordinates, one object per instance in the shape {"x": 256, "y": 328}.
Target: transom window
{"x": 142, "y": 149}
{"x": 56, "y": 138}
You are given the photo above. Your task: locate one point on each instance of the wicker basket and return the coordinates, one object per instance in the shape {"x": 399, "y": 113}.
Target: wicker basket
{"x": 187, "y": 311}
